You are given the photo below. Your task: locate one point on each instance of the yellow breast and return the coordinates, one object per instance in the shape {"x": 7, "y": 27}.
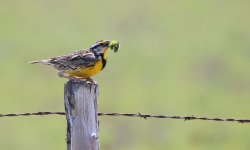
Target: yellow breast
{"x": 86, "y": 72}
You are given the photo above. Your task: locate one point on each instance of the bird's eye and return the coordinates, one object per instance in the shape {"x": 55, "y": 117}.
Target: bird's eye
{"x": 104, "y": 44}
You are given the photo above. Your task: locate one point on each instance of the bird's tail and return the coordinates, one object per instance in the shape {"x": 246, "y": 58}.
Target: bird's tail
{"x": 44, "y": 62}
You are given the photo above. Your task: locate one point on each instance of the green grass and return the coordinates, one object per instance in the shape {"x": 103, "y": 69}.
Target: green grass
{"x": 176, "y": 58}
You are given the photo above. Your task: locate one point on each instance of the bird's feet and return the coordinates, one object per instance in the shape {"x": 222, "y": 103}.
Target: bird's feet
{"x": 91, "y": 81}
{"x": 79, "y": 79}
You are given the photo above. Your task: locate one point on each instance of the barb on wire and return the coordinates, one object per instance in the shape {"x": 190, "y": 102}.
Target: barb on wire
{"x": 139, "y": 115}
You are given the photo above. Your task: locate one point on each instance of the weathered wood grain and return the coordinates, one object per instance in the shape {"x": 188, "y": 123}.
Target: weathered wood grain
{"x": 80, "y": 101}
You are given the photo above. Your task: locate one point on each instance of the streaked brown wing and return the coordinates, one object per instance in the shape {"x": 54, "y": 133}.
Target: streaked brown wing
{"x": 78, "y": 59}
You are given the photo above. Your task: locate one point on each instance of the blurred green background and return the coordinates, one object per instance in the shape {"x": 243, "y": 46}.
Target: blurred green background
{"x": 176, "y": 58}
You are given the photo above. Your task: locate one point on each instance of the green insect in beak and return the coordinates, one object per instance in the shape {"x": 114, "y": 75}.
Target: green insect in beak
{"x": 114, "y": 45}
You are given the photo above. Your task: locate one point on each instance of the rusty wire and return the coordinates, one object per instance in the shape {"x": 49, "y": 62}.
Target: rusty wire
{"x": 139, "y": 115}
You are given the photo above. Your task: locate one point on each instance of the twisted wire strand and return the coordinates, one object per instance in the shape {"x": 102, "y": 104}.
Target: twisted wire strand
{"x": 138, "y": 115}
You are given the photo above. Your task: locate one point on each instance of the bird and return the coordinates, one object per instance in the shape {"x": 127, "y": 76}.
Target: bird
{"x": 82, "y": 64}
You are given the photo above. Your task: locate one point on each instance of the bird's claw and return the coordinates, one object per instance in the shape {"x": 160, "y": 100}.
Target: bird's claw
{"x": 79, "y": 79}
{"x": 91, "y": 81}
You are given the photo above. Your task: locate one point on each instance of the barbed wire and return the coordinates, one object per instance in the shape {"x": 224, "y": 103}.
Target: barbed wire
{"x": 145, "y": 116}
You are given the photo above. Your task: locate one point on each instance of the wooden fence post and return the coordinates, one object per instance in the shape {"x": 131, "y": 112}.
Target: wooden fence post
{"x": 80, "y": 101}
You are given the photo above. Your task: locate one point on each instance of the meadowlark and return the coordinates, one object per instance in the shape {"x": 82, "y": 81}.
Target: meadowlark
{"x": 84, "y": 63}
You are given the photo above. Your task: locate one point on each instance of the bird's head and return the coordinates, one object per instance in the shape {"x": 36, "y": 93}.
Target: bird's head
{"x": 100, "y": 47}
